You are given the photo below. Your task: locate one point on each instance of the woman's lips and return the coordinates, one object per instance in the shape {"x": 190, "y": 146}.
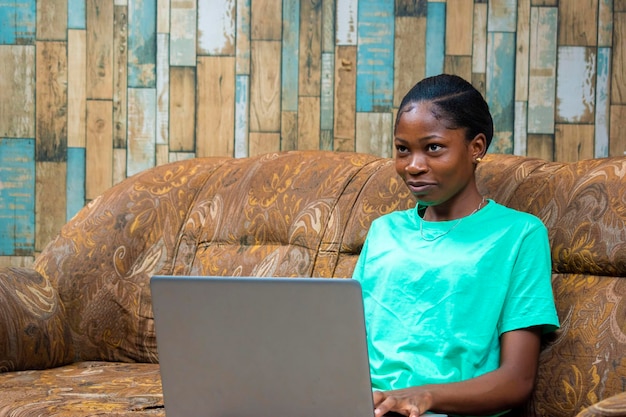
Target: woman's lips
{"x": 420, "y": 187}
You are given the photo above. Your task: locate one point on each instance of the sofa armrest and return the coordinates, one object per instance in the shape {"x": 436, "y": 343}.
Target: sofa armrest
{"x": 33, "y": 331}
{"x": 614, "y": 406}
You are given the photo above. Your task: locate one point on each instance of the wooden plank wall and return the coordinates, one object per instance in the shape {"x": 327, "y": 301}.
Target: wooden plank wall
{"x": 93, "y": 91}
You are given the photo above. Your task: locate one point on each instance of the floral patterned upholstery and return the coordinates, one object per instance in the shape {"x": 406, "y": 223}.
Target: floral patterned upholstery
{"x": 76, "y": 331}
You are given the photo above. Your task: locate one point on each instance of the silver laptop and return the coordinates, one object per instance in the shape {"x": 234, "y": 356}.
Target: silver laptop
{"x": 261, "y": 347}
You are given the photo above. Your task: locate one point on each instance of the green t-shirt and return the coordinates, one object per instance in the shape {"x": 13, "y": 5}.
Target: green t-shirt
{"x": 435, "y": 309}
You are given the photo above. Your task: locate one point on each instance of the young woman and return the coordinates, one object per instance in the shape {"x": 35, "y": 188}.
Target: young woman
{"x": 457, "y": 292}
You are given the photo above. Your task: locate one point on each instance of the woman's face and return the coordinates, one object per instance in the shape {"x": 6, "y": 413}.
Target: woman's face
{"x": 436, "y": 163}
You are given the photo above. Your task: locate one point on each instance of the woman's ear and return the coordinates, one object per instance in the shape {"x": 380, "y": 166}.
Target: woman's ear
{"x": 478, "y": 147}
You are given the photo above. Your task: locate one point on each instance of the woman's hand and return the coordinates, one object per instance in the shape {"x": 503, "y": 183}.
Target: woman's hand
{"x": 411, "y": 402}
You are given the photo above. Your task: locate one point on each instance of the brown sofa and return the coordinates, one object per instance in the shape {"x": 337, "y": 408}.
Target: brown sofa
{"x": 76, "y": 331}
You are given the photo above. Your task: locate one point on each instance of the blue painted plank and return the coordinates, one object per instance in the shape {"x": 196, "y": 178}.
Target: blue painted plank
{"x": 242, "y": 100}
{"x": 375, "y": 49}
{"x": 435, "y": 38}
{"x": 76, "y": 14}
{"x": 17, "y": 197}
{"x": 500, "y": 88}
{"x": 75, "y": 185}
{"x": 141, "y": 149}
{"x": 18, "y": 22}
{"x": 603, "y": 107}
{"x": 142, "y": 43}
{"x": 291, "y": 41}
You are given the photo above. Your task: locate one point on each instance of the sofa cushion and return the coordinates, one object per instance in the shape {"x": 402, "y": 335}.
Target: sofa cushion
{"x": 33, "y": 329}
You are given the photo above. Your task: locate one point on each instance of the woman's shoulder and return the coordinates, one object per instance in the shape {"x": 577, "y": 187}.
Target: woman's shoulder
{"x": 514, "y": 216}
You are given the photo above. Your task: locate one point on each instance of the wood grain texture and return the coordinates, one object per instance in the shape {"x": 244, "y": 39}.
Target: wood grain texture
{"x": 183, "y": 36}
{"x": 17, "y": 197}
{"x": 479, "y": 38}
{"x": 76, "y": 88}
{"x": 182, "y": 117}
{"x": 541, "y": 146}
{"x": 50, "y": 201}
{"x": 288, "y": 131}
{"x": 17, "y": 91}
{"x": 52, "y": 20}
{"x": 411, "y": 8}
{"x": 310, "y": 48}
{"x": 242, "y": 40}
{"x": 603, "y": 108}
{"x": 576, "y": 85}
{"x": 100, "y": 17}
{"x": 242, "y": 116}
{"x": 19, "y": 23}
{"x": 459, "y": 24}
{"x": 215, "y": 131}
{"x": 290, "y": 55}
{"x": 308, "y": 123}
{"x": 328, "y": 26}
{"x": 578, "y": 23}
{"x": 141, "y": 149}
{"x": 605, "y": 23}
{"x": 409, "y": 64}
{"x": 163, "y": 16}
{"x": 51, "y": 102}
{"x": 119, "y": 165}
{"x": 520, "y": 135}
{"x": 264, "y": 142}
{"x": 163, "y": 89}
{"x": 142, "y": 43}
{"x": 501, "y": 89}
{"x": 99, "y": 148}
{"x": 573, "y": 142}
{"x": 502, "y": 15}
{"x": 327, "y": 94}
{"x": 265, "y": 86}
{"x": 522, "y": 54}
{"x": 120, "y": 75}
{"x": 459, "y": 65}
{"x": 216, "y": 27}
{"x": 618, "y": 75}
{"x": 617, "y": 138}
{"x": 345, "y": 98}
{"x": 374, "y": 133}
{"x": 266, "y": 20}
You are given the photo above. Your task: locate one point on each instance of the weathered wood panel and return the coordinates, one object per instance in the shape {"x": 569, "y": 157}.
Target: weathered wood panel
{"x": 542, "y": 76}
{"x": 541, "y": 146}
{"x": 347, "y": 21}
{"x": 459, "y": 23}
{"x": 17, "y": 91}
{"x": 573, "y": 142}
{"x": 575, "y": 85}
{"x": 242, "y": 125}
{"x": 242, "y": 38}
{"x": 411, "y": 8}
{"x": 52, "y": 20}
{"x": 265, "y": 86}
{"x": 163, "y": 16}
{"x": 51, "y": 102}
{"x": 182, "y": 123}
{"x": 99, "y": 148}
{"x": 479, "y": 39}
{"x": 17, "y": 196}
{"x": 142, "y": 43}
{"x": 374, "y": 133}
{"x": 602, "y": 108}
{"x": 458, "y": 65}
{"x": 288, "y": 131}
{"x": 141, "y": 149}
{"x": 290, "y": 62}
{"x": 435, "y": 38}
{"x": 50, "y": 201}
{"x": 216, "y": 27}
{"x": 327, "y": 96}
{"x": 76, "y": 14}
{"x": 501, "y": 89}
{"x": 375, "y": 54}
{"x": 19, "y": 23}
{"x": 310, "y": 49}
{"x": 100, "y": 18}
{"x": 76, "y": 88}
{"x": 618, "y": 75}
{"x": 308, "y": 123}
{"x": 578, "y": 22}
{"x": 183, "y": 36}
{"x": 119, "y": 165}
{"x": 264, "y": 142}
{"x": 215, "y": 132}
{"x": 520, "y": 135}
{"x": 410, "y": 57}
{"x": 120, "y": 75}
{"x": 163, "y": 89}
{"x": 75, "y": 187}
{"x": 605, "y": 23}
{"x": 266, "y": 20}
{"x": 502, "y": 15}
{"x": 345, "y": 98}
{"x": 522, "y": 55}
{"x": 617, "y": 139}
{"x": 328, "y": 26}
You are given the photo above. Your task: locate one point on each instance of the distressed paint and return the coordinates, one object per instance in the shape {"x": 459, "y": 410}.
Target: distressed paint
{"x": 120, "y": 75}
{"x": 603, "y": 109}
{"x": 163, "y": 89}
{"x": 542, "y": 72}
{"x": 216, "y": 27}
{"x": 76, "y": 88}
{"x": 347, "y": 22}
{"x": 374, "y": 133}
{"x": 327, "y": 94}
{"x": 100, "y": 21}
{"x": 605, "y": 23}
{"x": 479, "y": 39}
{"x": 502, "y": 16}
{"x": 17, "y": 196}
{"x": 183, "y": 17}
{"x": 17, "y": 91}
{"x": 19, "y": 24}
{"x": 575, "y": 84}
{"x": 290, "y": 45}
{"x": 242, "y": 100}
{"x": 435, "y": 38}
{"x": 501, "y": 88}
{"x": 242, "y": 41}
{"x": 328, "y": 26}
{"x": 310, "y": 49}
{"x": 142, "y": 44}
{"x": 141, "y": 130}
{"x": 76, "y": 14}
{"x": 163, "y": 16}
{"x": 523, "y": 49}
{"x": 75, "y": 183}
{"x": 374, "y": 77}
{"x": 520, "y": 136}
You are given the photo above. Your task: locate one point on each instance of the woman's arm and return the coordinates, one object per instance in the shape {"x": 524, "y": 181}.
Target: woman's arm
{"x": 506, "y": 387}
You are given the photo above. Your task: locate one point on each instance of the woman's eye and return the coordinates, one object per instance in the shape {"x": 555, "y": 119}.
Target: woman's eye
{"x": 401, "y": 148}
{"x": 433, "y": 147}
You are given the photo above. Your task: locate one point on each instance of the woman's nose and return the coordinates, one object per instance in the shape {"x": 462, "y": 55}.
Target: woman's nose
{"x": 415, "y": 166}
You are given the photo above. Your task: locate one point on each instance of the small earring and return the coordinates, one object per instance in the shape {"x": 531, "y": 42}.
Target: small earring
{"x": 478, "y": 160}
